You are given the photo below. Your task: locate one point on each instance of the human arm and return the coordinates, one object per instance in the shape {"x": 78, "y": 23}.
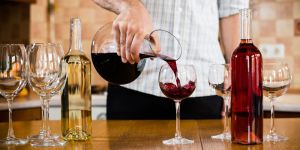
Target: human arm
{"x": 229, "y": 24}
{"x": 130, "y": 27}
{"x": 230, "y": 34}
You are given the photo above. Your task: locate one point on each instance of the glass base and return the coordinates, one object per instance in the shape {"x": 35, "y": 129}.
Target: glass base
{"x": 13, "y": 141}
{"x": 175, "y": 141}
{"x": 47, "y": 142}
{"x": 41, "y": 136}
{"x": 76, "y": 135}
{"x": 274, "y": 138}
{"x": 222, "y": 136}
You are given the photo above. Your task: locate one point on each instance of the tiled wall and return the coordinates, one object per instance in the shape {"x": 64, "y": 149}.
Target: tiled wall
{"x": 38, "y": 21}
{"x": 14, "y": 22}
{"x": 91, "y": 15}
{"x": 275, "y": 22}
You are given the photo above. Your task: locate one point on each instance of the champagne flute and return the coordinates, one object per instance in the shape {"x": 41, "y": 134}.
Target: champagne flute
{"x": 276, "y": 80}
{"x": 177, "y": 82}
{"x": 12, "y": 80}
{"x": 47, "y": 76}
{"x": 219, "y": 79}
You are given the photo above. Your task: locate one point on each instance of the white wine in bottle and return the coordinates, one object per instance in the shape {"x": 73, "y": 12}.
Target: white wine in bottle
{"x": 76, "y": 98}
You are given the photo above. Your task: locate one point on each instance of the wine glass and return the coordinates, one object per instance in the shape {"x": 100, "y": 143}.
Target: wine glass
{"x": 12, "y": 81}
{"x": 47, "y": 76}
{"x": 159, "y": 43}
{"x": 219, "y": 78}
{"x": 177, "y": 82}
{"x": 276, "y": 80}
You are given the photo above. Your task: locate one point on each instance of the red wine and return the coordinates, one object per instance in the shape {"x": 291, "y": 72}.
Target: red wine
{"x": 171, "y": 62}
{"x": 246, "y": 95}
{"x": 112, "y": 69}
{"x": 246, "y": 88}
{"x": 177, "y": 92}
{"x": 173, "y": 66}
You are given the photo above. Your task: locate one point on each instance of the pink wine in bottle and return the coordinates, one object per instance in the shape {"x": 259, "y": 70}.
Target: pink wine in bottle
{"x": 246, "y": 93}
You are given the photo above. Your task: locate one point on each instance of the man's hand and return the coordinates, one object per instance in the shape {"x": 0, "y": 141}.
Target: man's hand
{"x": 130, "y": 27}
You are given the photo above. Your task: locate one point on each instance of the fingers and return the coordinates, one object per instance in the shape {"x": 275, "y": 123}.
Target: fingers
{"x": 123, "y": 33}
{"x": 129, "y": 40}
{"x": 155, "y": 44}
{"x": 116, "y": 33}
{"x": 130, "y": 35}
{"x": 136, "y": 45}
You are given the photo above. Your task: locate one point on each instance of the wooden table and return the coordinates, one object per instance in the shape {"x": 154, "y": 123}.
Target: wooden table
{"x": 148, "y": 134}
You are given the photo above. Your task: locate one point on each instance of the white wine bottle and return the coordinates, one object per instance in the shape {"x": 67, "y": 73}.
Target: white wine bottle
{"x": 76, "y": 97}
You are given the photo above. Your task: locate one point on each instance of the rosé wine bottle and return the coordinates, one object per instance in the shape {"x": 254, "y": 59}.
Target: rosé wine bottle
{"x": 246, "y": 93}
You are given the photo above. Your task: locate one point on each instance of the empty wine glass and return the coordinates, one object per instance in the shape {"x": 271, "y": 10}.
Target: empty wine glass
{"x": 12, "y": 80}
{"x": 276, "y": 80}
{"x": 177, "y": 82}
{"x": 47, "y": 76}
{"x": 219, "y": 78}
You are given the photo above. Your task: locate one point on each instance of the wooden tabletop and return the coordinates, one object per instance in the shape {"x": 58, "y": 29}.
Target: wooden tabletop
{"x": 148, "y": 134}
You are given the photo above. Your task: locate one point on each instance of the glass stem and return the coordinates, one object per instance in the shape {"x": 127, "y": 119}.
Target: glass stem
{"x": 178, "y": 133}
{"x": 226, "y": 124}
{"x": 45, "y": 109}
{"x": 10, "y": 133}
{"x": 42, "y": 131}
{"x": 272, "y": 129}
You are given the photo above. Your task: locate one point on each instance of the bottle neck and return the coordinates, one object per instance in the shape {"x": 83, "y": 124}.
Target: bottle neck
{"x": 245, "y": 41}
{"x": 246, "y": 34}
{"x": 75, "y": 35}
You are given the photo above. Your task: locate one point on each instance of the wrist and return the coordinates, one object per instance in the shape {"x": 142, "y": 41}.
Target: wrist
{"x": 129, "y": 4}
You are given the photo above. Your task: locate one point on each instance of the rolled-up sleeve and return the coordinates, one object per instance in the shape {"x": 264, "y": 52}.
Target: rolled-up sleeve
{"x": 230, "y": 7}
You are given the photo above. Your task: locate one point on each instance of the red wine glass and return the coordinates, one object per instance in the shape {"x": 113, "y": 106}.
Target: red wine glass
{"x": 276, "y": 81}
{"x": 220, "y": 79}
{"x": 177, "y": 84}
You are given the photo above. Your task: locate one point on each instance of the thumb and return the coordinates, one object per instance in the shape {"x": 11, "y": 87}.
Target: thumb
{"x": 154, "y": 42}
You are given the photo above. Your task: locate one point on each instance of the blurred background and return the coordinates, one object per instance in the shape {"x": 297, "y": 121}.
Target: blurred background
{"x": 276, "y": 31}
